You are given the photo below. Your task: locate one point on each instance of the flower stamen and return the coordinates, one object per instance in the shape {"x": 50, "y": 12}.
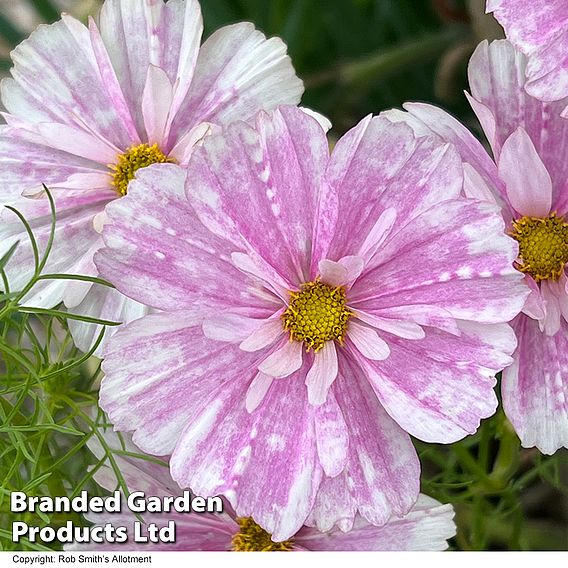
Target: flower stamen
{"x": 316, "y": 314}
{"x": 134, "y": 159}
{"x": 543, "y": 246}
{"x": 253, "y": 538}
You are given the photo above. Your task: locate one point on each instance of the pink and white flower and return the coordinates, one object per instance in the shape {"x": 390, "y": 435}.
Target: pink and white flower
{"x": 528, "y": 178}
{"x": 427, "y": 526}
{"x": 327, "y": 308}
{"x": 88, "y": 106}
{"x": 539, "y": 29}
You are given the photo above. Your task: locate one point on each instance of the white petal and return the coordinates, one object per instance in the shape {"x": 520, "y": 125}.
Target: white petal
{"x": 263, "y": 336}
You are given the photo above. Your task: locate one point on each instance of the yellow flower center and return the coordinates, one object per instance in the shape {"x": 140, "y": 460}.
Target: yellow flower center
{"x": 252, "y": 538}
{"x": 134, "y": 159}
{"x": 316, "y": 314}
{"x": 543, "y": 246}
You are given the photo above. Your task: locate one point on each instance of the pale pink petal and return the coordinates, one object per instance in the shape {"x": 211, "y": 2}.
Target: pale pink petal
{"x": 323, "y": 121}
{"x": 381, "y": 477}
{"x": 48, "y": 68}
{"x": 274, "y": 171}
{"x": 540, "y": 30}
{"x": 284, "y": 361}
{"x": 26, "y": 165}
{"x": 228, "y": 326}
{"x": 158, "y": 253}
{"x": 535, "y": 387}
{"x": 264, "y": 335}
{"x": 332, "y": 436}
{"x": 226, "y": 450}
{"x": 322, "y": 373}
{"x": 78, "y": 142}
{"x": 552, "y": 311}
{"x": 400, "y": 328}
{"x": 138, "y": 34}
{"x": 342, "y": 272}
{"x": 156, "y": 103}
{"x": 257, "y": 391}
{"x": 529, "y": 187}
{"x": 238, "y": 72}
{"x": 497, "y": 79}
{"x": 368, "y": 342}
{"x": 475, "y": 187}
{"x": 439, "y": 388}
{"x": 473, "y": 279}
{"x": 377, "y": 235}
{"x": 140, "y": 379}
{"x": 534, "y": 305}
{"x": 184, "y": 148}
{"x": 428, "y": 526}
{"x": 380, "y": 165}
{"x": 259, "y": 268}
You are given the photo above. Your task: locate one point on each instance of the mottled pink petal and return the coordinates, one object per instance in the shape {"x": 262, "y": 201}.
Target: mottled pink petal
{"x": 380, "y": 165}
{"x": 477, "y": 281}
{"x": 439, "y": 388}
{"x": 368, "y": 342}
{"x": 377, "y": 235}
{"x": 540, "y": 30}
{"x": 534, "y": 305}
{"x": 238, "y": 72}
{"x": 332, "y": 436}
{"x": 422, "y": 315}
{"x": 274, "y": 171}
{"x": 102, "y": 303}
{"x": 535, "y": 387}
{"x": 497, "y": 78}
{"x": 528, "y": 183}
{"x": 74, "y": 225}
{"x": 284, "y": 361}
{"x": 552, "y": 312}
{"x": 428, "y": 526}
{"x": 381, "y": 477}
{"x": 54, "y": 60}
{"x": 322, "y": 373}
{"x": 270, "y": 462}
{"x": 159, "y": 253}
{"x": 140, "y": 378}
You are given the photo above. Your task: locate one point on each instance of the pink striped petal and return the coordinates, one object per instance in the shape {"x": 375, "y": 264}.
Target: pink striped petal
{"x": 400, "y": 328}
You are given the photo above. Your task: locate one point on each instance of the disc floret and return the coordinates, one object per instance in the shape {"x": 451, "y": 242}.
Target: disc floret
{"x": 316, "y": 314}
{"x": 134, "y": 159}
{"x": 543, "y": 246}
{"x": 253, "y": 538}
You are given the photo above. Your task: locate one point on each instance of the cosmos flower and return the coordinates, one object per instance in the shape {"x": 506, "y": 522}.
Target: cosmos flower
{"x": 427, "y": 527}
{"x": 539, "y": 29}
{"x": 327, "y": 307}
{"x": 90, "y": 106}
{"x": 527, "y": 179}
